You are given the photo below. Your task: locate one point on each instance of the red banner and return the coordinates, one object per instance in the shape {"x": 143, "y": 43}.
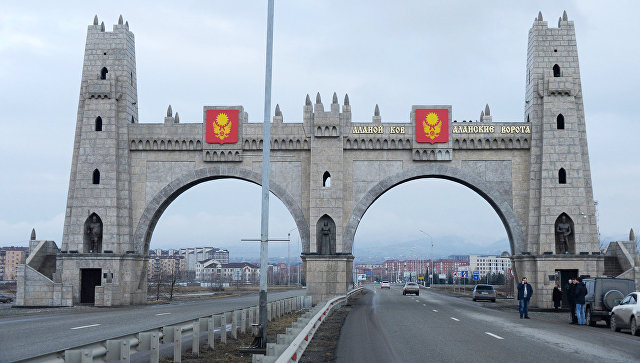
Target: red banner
{"x": 432, "y": 125}
{"x": 222, "y": 126}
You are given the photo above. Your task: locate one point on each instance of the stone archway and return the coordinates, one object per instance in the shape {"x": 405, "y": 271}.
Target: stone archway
{"x": 500, "y": 203}
{"x": 169, "y": 193}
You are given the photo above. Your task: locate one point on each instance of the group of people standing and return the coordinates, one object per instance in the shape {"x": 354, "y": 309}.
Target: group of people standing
{"x": 576, "y": 291}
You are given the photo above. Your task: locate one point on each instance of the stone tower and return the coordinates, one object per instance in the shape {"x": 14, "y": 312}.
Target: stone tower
{"x": 99, "y": 182}
{"x": 560, "y": 176}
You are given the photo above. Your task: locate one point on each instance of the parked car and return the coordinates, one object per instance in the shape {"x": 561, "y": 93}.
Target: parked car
{"x": 385, "y": 285}
{"x": 627, "y": 314}
{"x": 603, "y": 293}
{"x": 484, "y": 292}
{"x": 411, "y": 288}
{"x": 5, "y": 299}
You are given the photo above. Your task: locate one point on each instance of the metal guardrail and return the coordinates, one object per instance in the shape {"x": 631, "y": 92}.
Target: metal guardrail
{"x": 300, "y": 334}
{"x": 121, "y": 348}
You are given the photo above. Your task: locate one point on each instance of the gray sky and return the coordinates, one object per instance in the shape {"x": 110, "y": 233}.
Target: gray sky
{"x": 394, "y": 54}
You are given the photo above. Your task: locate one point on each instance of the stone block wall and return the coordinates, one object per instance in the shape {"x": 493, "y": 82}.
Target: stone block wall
{"x": 35, "y": 289}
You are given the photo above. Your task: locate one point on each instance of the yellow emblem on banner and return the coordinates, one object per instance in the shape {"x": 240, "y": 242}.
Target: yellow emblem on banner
{"x": 222, "y": 126}
{"x": 432, "y": 125}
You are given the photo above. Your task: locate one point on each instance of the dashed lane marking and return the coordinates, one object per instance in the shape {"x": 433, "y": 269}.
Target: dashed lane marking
{"x": 452, "y": 318}
{"x": 84, "y": 326}
{"x": 435, "y": 310}
{"x": 162, "y": 314}
{"x": 424, "y": 304}
{"x": 493, "y": 335}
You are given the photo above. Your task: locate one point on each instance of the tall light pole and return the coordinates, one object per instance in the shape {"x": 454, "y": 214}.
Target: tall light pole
{"x": 431, "y": 270}
{"x": 266, "y": 155}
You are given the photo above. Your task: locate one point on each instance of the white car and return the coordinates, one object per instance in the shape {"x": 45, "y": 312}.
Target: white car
{"x": 385, "y": 285}
{"x": 627, "y": 314}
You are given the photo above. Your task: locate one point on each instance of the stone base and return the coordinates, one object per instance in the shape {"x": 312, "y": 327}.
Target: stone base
{"x": 327, "y": 276}
{"x": 537, "y": 270}
{"x": 123, "y": 277}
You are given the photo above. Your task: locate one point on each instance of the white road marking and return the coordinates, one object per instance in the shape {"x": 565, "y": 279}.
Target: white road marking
{"x": 162, "y": 314}
{"x": 452, "y": 318}
{"x": 435, "y": 310}
{"x": 84, "y": 326}
{"x": 424, "y": 304}
{"x": 493, "y": 335}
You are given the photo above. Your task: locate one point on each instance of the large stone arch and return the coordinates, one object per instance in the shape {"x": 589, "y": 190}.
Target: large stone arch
{"x": 500, "y": 203}
{"x": 169, "y": 193}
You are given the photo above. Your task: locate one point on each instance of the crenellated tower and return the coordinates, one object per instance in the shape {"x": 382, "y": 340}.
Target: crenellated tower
{"x": 98, "y": 217}
{"x": 560, "y": 178}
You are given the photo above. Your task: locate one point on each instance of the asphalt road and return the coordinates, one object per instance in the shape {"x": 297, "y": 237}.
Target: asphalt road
{"x": 385, "y": 326}
{"x": 23, "y": 337}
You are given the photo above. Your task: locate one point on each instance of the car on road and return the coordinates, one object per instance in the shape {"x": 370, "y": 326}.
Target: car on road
{"x": 627, "y": 314}
{"x": 385, "y": 285}
{"x": 411, "y": 288}
{"x": 603, "y": 294}
{"x": 484, "y": 292}
{"x": 5, "y": 299}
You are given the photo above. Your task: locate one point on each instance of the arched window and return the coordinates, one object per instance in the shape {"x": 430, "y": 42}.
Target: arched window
{"x": 326, "y": 179}
{"x": 528, "y": 118}
{"x": 96, "y": 176}
{"x": 98, "y": 123}
{"x": 103, "y": 73}
{"x": 133, "y": 121}
{"x": 562, "y": 176}
{"x": 556, "y": 70}
{"x": 560, "y": 121}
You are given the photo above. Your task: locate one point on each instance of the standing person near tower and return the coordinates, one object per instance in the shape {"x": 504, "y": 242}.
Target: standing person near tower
{"x": 571, "y": 298}
{"x": 525, "y": 291}
{"x": 580, "y": 293}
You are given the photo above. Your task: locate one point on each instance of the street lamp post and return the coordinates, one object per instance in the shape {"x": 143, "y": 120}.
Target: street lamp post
{"x": 431, "y": 238}
{"x": 288, "y": 258}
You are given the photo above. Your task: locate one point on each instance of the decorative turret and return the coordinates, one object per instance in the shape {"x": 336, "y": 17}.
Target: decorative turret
{"x": 33, "y": 234}
{"x": 632, "y": 236}
{"x": 485, "y": 116}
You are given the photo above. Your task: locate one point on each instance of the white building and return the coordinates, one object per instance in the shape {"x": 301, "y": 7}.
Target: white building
{"x": 197, "y": 254}
{"x": 213, "y": 270}
{"x": 489, "y": 264}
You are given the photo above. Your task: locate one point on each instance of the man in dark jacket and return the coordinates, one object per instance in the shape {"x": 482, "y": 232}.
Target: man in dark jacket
{"x": 570, "y": 289}
{"x": 525, "y": 291}
{"x": 580, "y": 292}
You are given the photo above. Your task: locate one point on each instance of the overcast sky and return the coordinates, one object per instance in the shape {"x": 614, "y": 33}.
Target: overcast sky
{"x": 395, "y": 54}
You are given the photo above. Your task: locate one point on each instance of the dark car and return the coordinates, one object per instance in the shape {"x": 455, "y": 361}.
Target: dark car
{"x": 484, "y": 292}
{"x": 5, "y": 299}
{"x": 603, "y": 294}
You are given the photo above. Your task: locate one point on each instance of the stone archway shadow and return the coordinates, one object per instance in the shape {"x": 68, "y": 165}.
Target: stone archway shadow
{"x": 169, "y": 193}
{"x": 500, "y": 203}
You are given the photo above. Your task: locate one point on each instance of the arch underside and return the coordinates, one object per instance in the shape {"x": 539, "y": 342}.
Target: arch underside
{"x": 154, "y": 209}
{"x": 498, "y": 201}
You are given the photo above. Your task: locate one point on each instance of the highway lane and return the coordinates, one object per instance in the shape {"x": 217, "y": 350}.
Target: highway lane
{"x": 22, "y": 337}
{"x": 385, "y": 326}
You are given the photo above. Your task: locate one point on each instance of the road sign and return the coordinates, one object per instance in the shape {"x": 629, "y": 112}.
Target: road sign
{"x": 476, "y": 275}
{"x": 362, "y": 277}
{"x": 465, "y": 274}
{"x": 420, "y": 277}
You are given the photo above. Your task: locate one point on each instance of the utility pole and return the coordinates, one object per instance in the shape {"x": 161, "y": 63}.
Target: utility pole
{"x": 266, "y": 155}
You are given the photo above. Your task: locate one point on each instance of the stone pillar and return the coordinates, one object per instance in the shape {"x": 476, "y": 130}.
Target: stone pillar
{"x": 328, "y": 275}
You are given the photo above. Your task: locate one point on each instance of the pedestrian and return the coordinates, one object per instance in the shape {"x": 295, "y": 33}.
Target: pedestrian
{"x": 580, "y": 293}
{"x": 525, "y": 291}
{"x": 571, "y": 298}
{"x": 557, "y": 297}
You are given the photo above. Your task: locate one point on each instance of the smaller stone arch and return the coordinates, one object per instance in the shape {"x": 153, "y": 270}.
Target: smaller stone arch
{"x": 198, "y": 144}
{"x": 276, "y": 144}
{"x": 169, "y": 144}
{"x": 319, "y": 131}
{"x": 290, "y": 144}
{"x": 562, "y": 176}
{"x": 133, "y": 144}
{"x": 190, "y": 144}
{"x": 464, "y": 143}
{"x": 378, "y": 146}
{"x": 393, "y": 143}
{"x": 326, "y": 236}
{"x": 556, "y": 71}
{"x": 98, "y": 123}
{"x": 326, "y": 179}
{"x": 456, "y": 144}
{"x": 326, "y": 131}
{"x": 297, "y": 144}
{"x": 565, "y": 235}
{"x": 254, "y": 145}
{"x": 246, "y": 144}
{"x": 417, "y": 155}
{"x": 348, "y": 144}
{"x": 334, "y": 131}
{"x": 163, "y": 146}
{"x": 370, "y": 144}
{"x": 103, "y": 73}
{"x": 560, "y": 121}
{"x": 96, "y": 176}
{"x": 385, "y": 144}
